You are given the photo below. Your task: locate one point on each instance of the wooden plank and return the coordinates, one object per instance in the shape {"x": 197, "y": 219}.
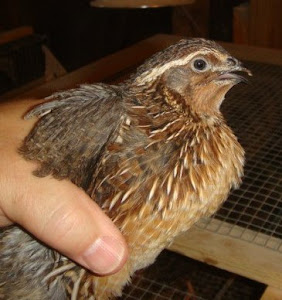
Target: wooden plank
{"x": 241, "y": 24}
{"x": 265, "y": 23}
{"x": 253, "y": 53}
{"x": 272, "y": 293}
{"x": 231, "y": 253}
{"x": 14, "y": 34}
{"x": 54, "y": 68}
{"x": 238, "y": 232}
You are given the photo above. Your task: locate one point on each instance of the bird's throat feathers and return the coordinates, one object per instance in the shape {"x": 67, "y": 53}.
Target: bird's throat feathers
{"x": 199, "y": 149}
{"x": 200, "y": 107}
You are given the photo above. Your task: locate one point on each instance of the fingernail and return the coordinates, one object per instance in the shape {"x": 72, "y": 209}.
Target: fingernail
{"x": 104, "y": 255}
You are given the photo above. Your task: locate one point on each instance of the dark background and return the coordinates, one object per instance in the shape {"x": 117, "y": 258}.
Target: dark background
{"x": 78, "y": 34}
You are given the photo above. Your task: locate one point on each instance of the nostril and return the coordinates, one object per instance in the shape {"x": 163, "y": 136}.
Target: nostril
{"x": 232, "y": 61}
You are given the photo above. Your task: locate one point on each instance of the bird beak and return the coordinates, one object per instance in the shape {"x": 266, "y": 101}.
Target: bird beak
{"x": 233, "y": 74}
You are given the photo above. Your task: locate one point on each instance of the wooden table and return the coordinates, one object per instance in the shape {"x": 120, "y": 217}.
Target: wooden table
{"x": 223, "y": 251}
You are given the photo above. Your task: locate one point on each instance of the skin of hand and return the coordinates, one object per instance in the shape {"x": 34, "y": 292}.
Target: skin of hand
{"x": 56, "y": 212}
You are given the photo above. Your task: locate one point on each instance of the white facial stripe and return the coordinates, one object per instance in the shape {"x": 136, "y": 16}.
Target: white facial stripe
{"x": 153, "y": 74}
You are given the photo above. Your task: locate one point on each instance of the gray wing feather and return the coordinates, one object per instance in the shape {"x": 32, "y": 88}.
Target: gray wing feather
{"x": 73, "y": 131}
{"x": 84, "y": 93}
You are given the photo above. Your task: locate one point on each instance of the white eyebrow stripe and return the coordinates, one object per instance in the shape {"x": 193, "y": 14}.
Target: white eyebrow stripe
{"x": 153, "y": 74}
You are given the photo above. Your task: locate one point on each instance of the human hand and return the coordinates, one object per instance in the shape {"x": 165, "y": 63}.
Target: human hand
{"x": 56, "y": 212}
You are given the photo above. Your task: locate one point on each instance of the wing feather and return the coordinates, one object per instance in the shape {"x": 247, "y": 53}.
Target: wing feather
{"x": 73, "y": 131}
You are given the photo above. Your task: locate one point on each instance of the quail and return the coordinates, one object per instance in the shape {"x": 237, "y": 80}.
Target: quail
{"x": 154, "y": 152}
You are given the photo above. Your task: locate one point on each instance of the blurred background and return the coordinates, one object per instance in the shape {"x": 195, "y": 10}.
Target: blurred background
{"x": 78, "y": 32}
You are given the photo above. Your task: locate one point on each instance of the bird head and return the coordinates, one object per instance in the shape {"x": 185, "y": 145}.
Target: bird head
{"x": 192, "y": 75}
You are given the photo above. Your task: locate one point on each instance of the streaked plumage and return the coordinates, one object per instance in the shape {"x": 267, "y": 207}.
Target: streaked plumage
{"x": 154, "y": 152}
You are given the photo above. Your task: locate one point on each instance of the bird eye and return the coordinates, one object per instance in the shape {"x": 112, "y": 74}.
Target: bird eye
{"x": 200, "y": 64}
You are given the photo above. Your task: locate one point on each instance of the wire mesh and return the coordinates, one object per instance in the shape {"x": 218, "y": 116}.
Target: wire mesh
{"x": 144, "y": 288}
{"x": 254, "y": 212}
{"x": 175, "y": 277}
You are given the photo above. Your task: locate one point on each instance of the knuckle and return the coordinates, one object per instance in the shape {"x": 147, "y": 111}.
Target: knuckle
{"x": 60, "y": 223}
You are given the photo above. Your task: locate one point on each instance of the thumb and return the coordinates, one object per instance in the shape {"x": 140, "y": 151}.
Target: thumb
{"x": 65, "y": 218}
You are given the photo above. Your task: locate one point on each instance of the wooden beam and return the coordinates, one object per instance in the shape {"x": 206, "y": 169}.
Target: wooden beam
{"x": 231, "y": 253}
{"x": 15, "y": 34}
{"x": 265, "y": 23}
{"x": 241, "y": 24}
{"x": 272, "y": 293}
{"x": 54, "y": 68}
{"x": 253, "y": 53}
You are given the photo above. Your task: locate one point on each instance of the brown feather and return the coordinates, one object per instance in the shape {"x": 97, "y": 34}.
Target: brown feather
{"x": 154, "y": 152}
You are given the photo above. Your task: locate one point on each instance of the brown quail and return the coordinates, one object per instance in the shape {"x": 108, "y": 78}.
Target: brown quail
{"x": 154, "y": 152}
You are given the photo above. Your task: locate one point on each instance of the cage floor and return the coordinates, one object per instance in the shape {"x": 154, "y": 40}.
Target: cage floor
{"x": 255, "y": 114}
{"x": 175, "y": 277}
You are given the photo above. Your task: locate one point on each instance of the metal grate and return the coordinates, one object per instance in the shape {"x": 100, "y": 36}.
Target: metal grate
{"x": 254, "y": 212}
{"x": 149, "y": 289}
{"x": 175, "y": 277}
